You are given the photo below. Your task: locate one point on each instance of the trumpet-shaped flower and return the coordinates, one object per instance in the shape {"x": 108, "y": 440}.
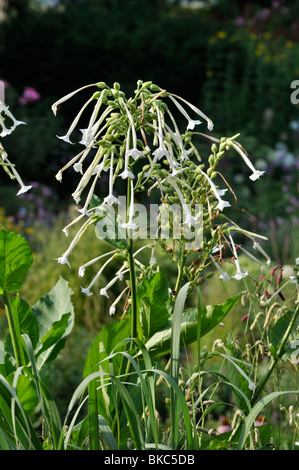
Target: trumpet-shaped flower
{"x": 240, "y": 274}
{"x": 191, "y": 122}
{"x": 68, "y": 96}
{"x": 86, "y": 290}
{"x": 161, "y": 151}
{"x": 112, "y": 309}
{"x": 255, "y": 173}
{"x": 119, "y": 276}
{"x": 64, "y": 258}
{"x": 217, "y": 193}
{"x": 66, "y": 137}
{"x": 126, "y": 173}
{"x": 130, "y": 225}
{"x": 110, "y": 199}
{"x": 6, "y": 111}
{"x": 256, "y": 246}
{"x": 223, "y": 276}
{"x": 190, "y": 219}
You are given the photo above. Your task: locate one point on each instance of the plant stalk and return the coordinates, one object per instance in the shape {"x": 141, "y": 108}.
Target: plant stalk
{"x": 275, "y": 359}
{"x": 14, "y": 331}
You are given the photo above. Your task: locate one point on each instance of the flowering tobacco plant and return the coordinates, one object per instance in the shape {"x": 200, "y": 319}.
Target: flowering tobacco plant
{"x": 6, "y": 129}
{"x": 137, "y": 141}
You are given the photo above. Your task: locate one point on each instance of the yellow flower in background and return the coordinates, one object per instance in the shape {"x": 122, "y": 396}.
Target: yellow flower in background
{"x": 289, "y": 44}
{"x": 221, "y": 34}
{"x": 253, "y": 36}
{"x": 29, "y": 230}
{"x": 209, "y": 73}
{"x": 267, "y": 35}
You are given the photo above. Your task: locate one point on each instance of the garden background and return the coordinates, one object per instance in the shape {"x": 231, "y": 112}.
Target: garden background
{"x": 234, "y": 60}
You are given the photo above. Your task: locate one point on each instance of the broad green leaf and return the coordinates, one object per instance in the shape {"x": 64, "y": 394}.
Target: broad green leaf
{"x": 15, "y": 260}
{"x": 154, "y": 303}
{"x": 211, "y": 316}
{"x": 27, "y": 395}
{"x": 55, "y": 317}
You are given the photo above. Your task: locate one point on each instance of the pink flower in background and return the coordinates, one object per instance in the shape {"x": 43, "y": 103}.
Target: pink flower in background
{"x": 30, "y": 95}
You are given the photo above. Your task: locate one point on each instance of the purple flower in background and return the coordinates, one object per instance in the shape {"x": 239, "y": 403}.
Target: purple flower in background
{"x": 30, "y": 95}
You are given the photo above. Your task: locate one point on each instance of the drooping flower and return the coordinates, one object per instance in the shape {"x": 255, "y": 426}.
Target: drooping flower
{"x": 68, "y": 96}
{"x": 256, "y": 246}
{"x": 126, "y": 173}
{"x": 4, "y": 108}
{"x": 130, "y": 225}
{"x": 86, "y": 290}
{"x": 161, "y": 151}
{"x": 110, "y": 199}
{"x": 191, "y": 122}
{"x": 223, "y": 276}
{"x": 255, "y": 173}
{"x": 240, "y": 274}
{"x": 118, "y": 277}
{"x": 190, "y": 219}
{"x": 112, "y": 308}
{"x": 66, "y": 137}
{"x": 217, "y": 193}
{"x": 63, "y": 259}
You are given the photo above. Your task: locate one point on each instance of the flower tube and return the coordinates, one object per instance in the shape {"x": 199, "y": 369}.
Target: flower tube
{"x": 130, "y": 225}
{"x": 86, "y": 290}
{"x": 240, "y": 273}
{"x": 110, "y": 199}
{"x": 255, "y": 173}
{"x": 217, "y": 193}
{"x": 68, "y": 96}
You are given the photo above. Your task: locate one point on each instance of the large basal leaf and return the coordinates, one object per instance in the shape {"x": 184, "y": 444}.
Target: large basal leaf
{"x": 15, "y": 260}
{"x": 55, "y": 317}
{"x": 211, "y": 316}
{"x": 154, "y": 303}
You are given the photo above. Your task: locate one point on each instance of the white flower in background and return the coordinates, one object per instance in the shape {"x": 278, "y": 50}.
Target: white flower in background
{"x": 240, "y": 274}
{"x": 297, "y": 260}
{"x": 217, "y": 193}
{"x": 255, "y": 173}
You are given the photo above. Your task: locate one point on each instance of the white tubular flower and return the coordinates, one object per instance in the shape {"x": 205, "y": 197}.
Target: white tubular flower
{"x": 118, "y": 277}
{"x": 126, "y": 173}
{"x": 255, "y": 173}
{"x": 217, "y": 193}
{"x": 190, "y": 219}
{"x": 24, "y": 188}
{"x": 223, "y": 276}
{"x": 130, "y": 225}
{"x": 87, "y": 175}
{"x": 16, "y": 123}
{"x": 110, "y": 199}
{"x": 112, "y": 309}
{"x": 85, "y": 209}
{"x": 191, "y": 122}
{"x": 161, "y": 150}
{"x": 134, "y": 152}
{"x": 66, "y": 137}
{"x": 176, "y": 137}
{"x": 252, "y": 257}
{"x": 82, "y": 268}
{"x": 256, "y": 246}
{"x": 5, "y": 131}
{"x": 66, "y": 97}
{"x": 66, "y": 228}
{"x": 240, "y": 274}
{"x": 86, "y": 290}
{"x": 64, "y": 258}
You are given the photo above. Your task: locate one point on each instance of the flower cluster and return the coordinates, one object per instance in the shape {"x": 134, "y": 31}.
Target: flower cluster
{"x": 138, "y": 141}
{"x": 6, "y": 129}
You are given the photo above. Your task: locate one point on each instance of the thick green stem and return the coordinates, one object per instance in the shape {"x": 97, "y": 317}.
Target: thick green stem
{"x": 14, "y": 332}
{"x": 133, "y": 289}
{"x": 274, "y": 360}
